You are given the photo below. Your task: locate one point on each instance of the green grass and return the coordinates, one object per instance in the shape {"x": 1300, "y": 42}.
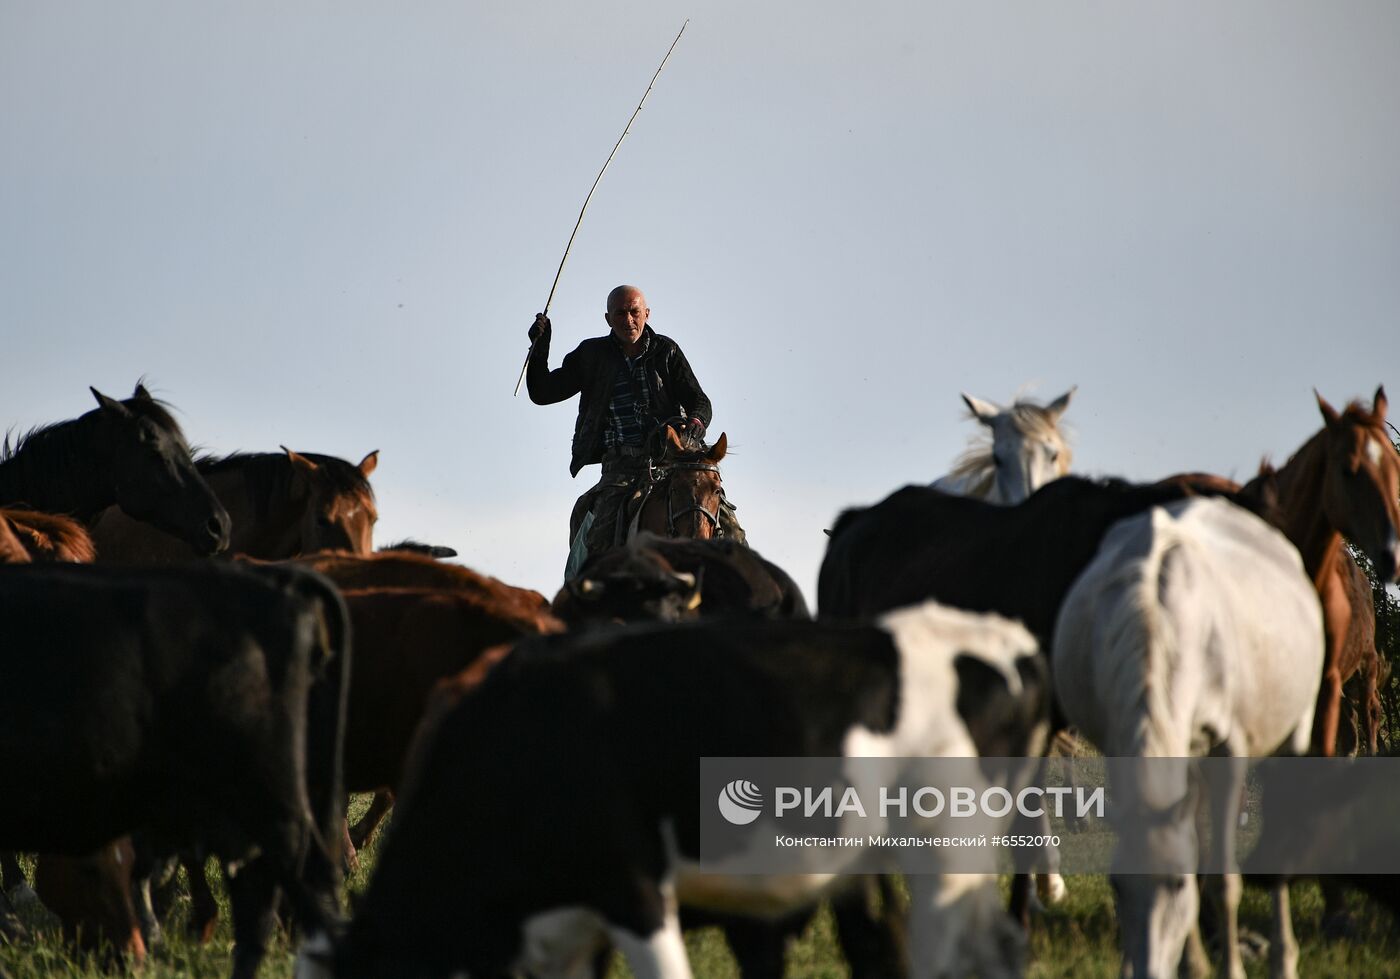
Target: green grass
{"x": 1075, "y": 940}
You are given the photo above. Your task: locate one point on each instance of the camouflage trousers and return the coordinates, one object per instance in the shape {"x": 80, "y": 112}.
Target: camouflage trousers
{"x": 593, "y": 525}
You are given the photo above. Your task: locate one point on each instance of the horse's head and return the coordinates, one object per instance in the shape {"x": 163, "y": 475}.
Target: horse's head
{"x": 336, "y": 503}
{"x": 1361, "y": 490}
{"x": 688, "y": 497}
{"x": 152, "y": 472}
{"x": 1027, "y": 451}
{"x": 1156, "y": 909}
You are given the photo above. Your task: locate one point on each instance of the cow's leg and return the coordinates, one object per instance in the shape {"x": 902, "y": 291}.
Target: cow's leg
{"x": 379, "y": 807}
{"x": 874, "y": 940}
{"x": 204, "y": 908}
{"x": 759, "y": 946}
{"x": 12, "y": 874}
{"x": 252, "y": 895}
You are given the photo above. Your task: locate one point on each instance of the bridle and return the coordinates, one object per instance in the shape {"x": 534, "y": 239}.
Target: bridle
{"x": 657, "y": 475}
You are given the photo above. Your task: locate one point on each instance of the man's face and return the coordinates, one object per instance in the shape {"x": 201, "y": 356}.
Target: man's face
{"x": 627, "y": 314}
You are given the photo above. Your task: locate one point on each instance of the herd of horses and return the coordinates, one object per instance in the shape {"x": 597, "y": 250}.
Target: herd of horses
{"x": 162, "y": 706}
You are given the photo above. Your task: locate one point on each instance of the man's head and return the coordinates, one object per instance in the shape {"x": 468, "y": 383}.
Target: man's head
{"x": 627, "y": 315}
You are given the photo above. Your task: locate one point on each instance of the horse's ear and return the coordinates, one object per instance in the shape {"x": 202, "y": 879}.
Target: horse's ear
{"x": 141, "y": 392}
{"x": 983, "y": 411}
{"x": 1379, "y": 404}
{"x": 110, "y": 404}
{"x": 298, "y": 461}
{"x": 1058, "y": 406}
{"x": 368, "y": 463}
{"x": 718, "y": 450}
{"x": 1329, "y": 414}
{"x": 673, "y": 440}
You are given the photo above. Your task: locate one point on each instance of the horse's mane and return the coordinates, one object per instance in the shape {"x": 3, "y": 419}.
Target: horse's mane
{"x": 977, "y": 465}
{"x": 269, "y": 474}
{"x": 60, "y": 435}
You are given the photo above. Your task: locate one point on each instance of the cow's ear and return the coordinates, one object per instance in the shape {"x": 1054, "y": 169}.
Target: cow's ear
{"x": 720, "y": 447}
{"x": 368, "y": 463}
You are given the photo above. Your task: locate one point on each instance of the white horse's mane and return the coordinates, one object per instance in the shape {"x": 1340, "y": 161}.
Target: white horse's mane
{"x": 976, "y": 467}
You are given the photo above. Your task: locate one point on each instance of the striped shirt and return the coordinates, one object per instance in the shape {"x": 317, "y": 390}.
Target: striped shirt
{"x": 629, "y": 411}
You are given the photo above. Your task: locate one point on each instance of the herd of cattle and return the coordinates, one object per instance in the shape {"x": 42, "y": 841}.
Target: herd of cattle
{"x": 543, "y": 757}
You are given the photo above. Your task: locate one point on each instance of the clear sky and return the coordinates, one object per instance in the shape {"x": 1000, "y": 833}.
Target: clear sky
{"x": 329, "y": 225}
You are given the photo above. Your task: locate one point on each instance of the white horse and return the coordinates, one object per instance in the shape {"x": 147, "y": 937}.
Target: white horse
{"x": 1194, "y": 632}
{"x": 1024, "y": 452}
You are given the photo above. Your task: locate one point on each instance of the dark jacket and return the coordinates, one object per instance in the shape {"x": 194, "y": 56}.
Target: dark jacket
{"x": 591, "y": 370}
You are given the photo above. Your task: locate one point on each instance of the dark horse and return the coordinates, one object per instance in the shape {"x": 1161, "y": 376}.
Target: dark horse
{"x": 282, "y": 504}
{"x": 129, "y": 453}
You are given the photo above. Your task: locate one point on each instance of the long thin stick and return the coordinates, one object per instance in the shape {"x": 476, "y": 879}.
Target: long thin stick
{"x": 582, "y": 210}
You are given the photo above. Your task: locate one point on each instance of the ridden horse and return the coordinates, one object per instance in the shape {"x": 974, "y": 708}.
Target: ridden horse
{"x": 1193, "y": 632}
{"x": 680, "y": 495}
{"x": 47, "y": 537}
{"x": 129, "y": 453}
{"x": 282, "y": 504}
{"x": 1025, "y": 450}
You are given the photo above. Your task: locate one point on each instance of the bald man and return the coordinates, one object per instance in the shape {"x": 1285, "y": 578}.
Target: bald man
{"x": 628, "y": 381}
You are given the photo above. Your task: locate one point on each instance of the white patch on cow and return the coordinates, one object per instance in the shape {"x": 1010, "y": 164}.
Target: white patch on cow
{"x": 765, "y": 895}
{"x": 561, "y": 944}
{"x": 314, "y": 958}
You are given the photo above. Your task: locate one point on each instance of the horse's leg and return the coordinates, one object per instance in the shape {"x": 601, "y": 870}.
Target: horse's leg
{"x": 1224, "y": 778}
{"x": 1283, "y": 947}
{"x": 1336, "y": 619}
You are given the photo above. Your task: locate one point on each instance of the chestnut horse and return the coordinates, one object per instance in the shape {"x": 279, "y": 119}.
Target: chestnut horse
{"x": 47, "y": 537}
{"x": 680, "y": 495}
{"x": 283, "y": 504}
{"x": 1345, "y": 480}
{"x": 12, "y": 550}
{"x": 130, "y": 454}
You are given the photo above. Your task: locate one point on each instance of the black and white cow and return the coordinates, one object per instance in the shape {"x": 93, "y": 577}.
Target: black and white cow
{"x": 201, "y": 705}
{"x": 580, "y": 823}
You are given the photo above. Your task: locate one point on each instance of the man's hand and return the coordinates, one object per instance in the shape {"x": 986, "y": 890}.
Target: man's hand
{"x": 695, "y": 428}
{"x": 540, "y": 328}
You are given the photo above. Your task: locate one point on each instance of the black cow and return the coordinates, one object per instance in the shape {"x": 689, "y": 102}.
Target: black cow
{"x": 570, "y": 830}
{"x": 672, "y": 578}
{"x": 201, "y": 705}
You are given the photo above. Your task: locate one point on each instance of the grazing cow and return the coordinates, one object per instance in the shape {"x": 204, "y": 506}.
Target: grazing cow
{"x": 667, "y": 579}
{"x": 587, "y": 828}
{"x": 199, "y": 706}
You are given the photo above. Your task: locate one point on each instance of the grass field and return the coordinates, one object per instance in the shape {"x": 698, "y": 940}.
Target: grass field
{"x": 1075, "y": 940}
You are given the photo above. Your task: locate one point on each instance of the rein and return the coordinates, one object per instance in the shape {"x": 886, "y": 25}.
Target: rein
{"x": 657, "y": 475}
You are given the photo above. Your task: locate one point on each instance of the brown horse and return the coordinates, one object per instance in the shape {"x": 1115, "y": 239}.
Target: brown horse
{"x": 12, "y": 550}
{"x": 283, "y": 504}
{"x": 680, "y": 495}
{"x": 48, "y": 537}
{"x": 1344, "y": 480}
